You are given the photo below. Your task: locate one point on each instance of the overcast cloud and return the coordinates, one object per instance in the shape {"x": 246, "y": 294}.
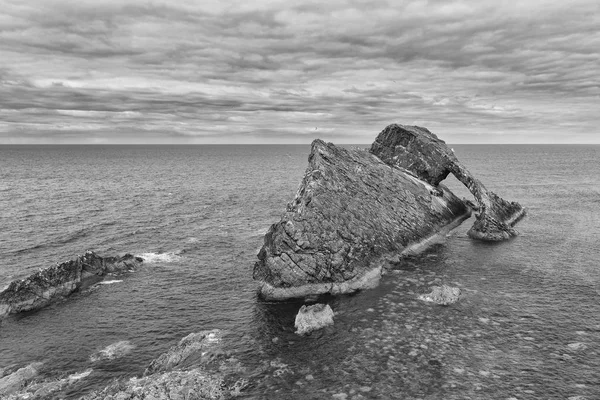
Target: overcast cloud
{"x": 112, "y": 71}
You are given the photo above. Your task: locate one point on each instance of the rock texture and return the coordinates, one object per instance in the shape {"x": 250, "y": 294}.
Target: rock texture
{"x": 312, "y": 318}
{"x": 13, "y": 382}
{"x": 55, "y": 283}
{"x": 197, "y": 367}
{"x": 202, "y": 344}
{"x": 420, "y": 152}
{"x": 443, "y": 295}
{"x": 351, "y": 210}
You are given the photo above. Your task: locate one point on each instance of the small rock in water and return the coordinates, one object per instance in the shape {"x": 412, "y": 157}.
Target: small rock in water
{"x": 313, "y": 317}
{"x": 442, "y": 295}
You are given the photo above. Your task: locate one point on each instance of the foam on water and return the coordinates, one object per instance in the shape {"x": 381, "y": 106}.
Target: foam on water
{"x": 110, "y": 282}
{"x": 152, "y": 258}
{"x": 81, "y": 375}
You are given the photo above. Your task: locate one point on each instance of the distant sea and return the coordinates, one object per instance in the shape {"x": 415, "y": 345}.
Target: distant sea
{"x": 527, "y": 327}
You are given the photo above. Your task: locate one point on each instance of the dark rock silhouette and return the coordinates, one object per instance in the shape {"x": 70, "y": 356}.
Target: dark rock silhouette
{"x": 420, "y": 152}
{"x": 351, "y": 211}
{"x": 57, "y": 282}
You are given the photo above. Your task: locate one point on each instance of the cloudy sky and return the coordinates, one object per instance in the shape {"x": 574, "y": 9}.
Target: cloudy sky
{"x": 183, "y": 71}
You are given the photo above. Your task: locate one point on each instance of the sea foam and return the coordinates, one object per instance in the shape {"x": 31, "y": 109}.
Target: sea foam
{"x": 151, "y": 258}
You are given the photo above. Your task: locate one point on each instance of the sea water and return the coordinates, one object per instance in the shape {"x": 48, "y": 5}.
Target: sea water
{"x": 526, "y": 327}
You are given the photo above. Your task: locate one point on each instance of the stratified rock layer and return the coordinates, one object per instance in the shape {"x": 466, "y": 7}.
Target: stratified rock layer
{"x": 350, "y": 211}
{"x": 57, "y": 282}
{"x": 419, "y": 151}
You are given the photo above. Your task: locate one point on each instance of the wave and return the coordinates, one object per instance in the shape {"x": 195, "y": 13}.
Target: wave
{"x": 81, "y": 375}
{"x": 151, "y": 258}
{"x": 109, "y": 282}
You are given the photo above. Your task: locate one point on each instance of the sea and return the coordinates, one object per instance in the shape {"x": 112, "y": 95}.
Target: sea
{"x": 526, "y": 327}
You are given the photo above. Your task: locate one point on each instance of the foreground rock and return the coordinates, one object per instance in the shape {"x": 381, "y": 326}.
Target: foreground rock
{"x": 52, "y": 284}
{"x": 196, "y": 368}
{"x": 46, "y": 389}
{"x": 351, "y": 211}
{"x": 13, "y": 382}
{"x": 312, "y": 318}
{"x": 443, "y": 295}
{"x": 419, "y": 151}
{"x": 199, "y": 347}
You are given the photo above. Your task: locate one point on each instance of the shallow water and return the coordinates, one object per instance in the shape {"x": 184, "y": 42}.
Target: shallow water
{"x": 527, "y": 326}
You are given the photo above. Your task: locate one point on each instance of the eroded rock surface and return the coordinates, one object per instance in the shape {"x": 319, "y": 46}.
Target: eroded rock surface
{"x": 198, "y": 347}
{"x": 419, "y": 151}
{"x": 196, "y": 368}
{"x": 312, "y": 318}
{"x": 13, "y": 382}
{"x": 57, "y": 282}
{"x": 350, "y": 211}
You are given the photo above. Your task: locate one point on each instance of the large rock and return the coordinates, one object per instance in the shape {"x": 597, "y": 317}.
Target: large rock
{"x": 420, "y": 152}
{"x": 350, "y": 212}
{"x": 57, "y": 282}
{"x": 312, "y": 318}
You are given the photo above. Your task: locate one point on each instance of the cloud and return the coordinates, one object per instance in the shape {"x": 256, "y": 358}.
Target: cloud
{"x": 272, "y": 71}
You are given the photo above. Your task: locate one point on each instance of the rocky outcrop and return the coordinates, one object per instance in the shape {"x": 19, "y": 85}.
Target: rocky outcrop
{"x": 57, "y": 282}
{"x": 45, "y": 389}
{"x": 13, "y": 382}
{"x": 203, "y": 344}
{"x": 196, "y": 368}
{"x": 312, "y": 318}
{"x": 420, "y": 152}
{"x": 350, "y": 212}
{"x": 443, "y": 295}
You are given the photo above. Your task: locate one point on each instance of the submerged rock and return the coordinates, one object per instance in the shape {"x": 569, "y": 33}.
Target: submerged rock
{"x": 113, "y": 351}
{"x": 442, "y": 295}
{"x": 419, "y": 151}
{"x": 57, "y": 282}
{"x": 311, "y": 318}
{"x": 350, "y": 212}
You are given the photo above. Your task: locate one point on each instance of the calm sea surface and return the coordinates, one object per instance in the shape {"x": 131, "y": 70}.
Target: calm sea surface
{"x": 528, "y": 326}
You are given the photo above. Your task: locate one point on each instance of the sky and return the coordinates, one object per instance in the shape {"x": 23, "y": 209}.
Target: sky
{"x": 181, "y": 71}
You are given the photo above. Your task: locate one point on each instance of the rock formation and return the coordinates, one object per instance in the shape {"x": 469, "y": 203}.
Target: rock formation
{"x": 443, "y": 295}
{"x": 13, "y": 382}
{"x": 201, "y": 344}
{"x": 350, "y": 211}
{"x": 312, "y": 318}
{"x": 196, "y": 368}
{"x": 57, "y": 282}
{"x": 420, "y": 152}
